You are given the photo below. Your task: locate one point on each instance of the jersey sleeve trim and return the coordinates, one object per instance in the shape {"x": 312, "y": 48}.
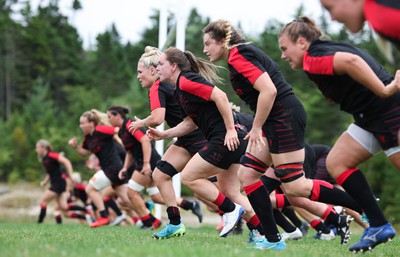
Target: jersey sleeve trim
{"x": 196, "y": 88}
{"x": 244, "y": 66}
{"x": 54, "y": 155}
{"x": 322, "y": 65}
{"x": 108, "y": 130}
{"x": 154, "y": 97}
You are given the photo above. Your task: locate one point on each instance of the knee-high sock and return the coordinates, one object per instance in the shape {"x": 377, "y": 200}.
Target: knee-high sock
{"x": 324, "y": 192}
{"x": 283, "y": 222}
{"x": 355, "y": 183}
{"x": 42, "y": 215}
{"x": 110, "y": 203}
{"x": 270, "y": 183}
{"x": 291, "y": 214}
{"x": 259, "y": 199}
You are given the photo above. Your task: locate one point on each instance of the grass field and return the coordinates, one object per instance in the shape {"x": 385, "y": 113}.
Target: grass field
{"x": 29, "y": 240}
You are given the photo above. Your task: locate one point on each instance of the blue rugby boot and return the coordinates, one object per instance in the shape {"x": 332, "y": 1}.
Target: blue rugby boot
{"x": 265, "y": 245}
{"x": 171, "y": 231}
{"x": 372, "y": 237}
{"x": 255, "y": 237}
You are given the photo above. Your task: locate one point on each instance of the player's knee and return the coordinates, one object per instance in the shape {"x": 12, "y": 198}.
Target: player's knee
{"x": 135, "y": 186}
{"x": 250, "y": 161}
{"x": 289, "y": 172}
{"x": 166, "y": 168}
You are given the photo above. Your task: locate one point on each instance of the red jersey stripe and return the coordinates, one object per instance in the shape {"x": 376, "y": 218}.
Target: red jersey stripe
{"x": 318, "y": 64}
{"x": 243, "y": 66}
{"x": 109, "y": 130}
{"x": 194, "y": 88}
{"x": 153, "y": 96}
{"x": 54, "y": 155}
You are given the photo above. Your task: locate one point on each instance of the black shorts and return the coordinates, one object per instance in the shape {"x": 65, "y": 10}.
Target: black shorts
{"x": 285, "y": 129}
{"x": 112, "y": 175}
{"x": 384, "y": 127}
{"x": 138, "y": 164}
{"x": 192, "y": 145}
{"x": 58, "y": 187}
{"x": 217, "y": 154}
{"x": 321, "y": 172}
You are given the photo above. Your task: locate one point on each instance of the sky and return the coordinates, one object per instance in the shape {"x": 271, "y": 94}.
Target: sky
{"x": 131, "y": 17}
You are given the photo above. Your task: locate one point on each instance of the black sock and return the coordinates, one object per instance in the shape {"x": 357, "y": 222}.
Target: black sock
{"x": 259, "y": 226}
{"x": 227, "y": 205}
{"x": 332, "y": 218}
{"x": 283, "y": 222}
{"x": 320, "y": 226}
{"x": 103, "y": 213}
{"x": 326, "y": 193}
{"x": 174, "y": 215}
{"x": 152, "y": 218}
{"x": 292, "y": 216}
{"x": 58, "y": 219}
{"x": 110, "y": 203}
{"x": 259, "y": 199}
{"x": 147, "y": 220}
{"x": 355, "y": 183}
{"x": 42, "y": 214}
{"x": 270, "y": 183}
{"x": 186, "y": 204}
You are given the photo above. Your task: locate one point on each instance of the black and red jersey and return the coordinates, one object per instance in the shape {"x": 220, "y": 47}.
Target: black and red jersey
{"x": 193, "y": 93}
{"x": 101, "y": 143}
{"x": 384, "y": 18}
{"x": 352, "y": 97}
{"x": 53, "y": 167}
{"x": 161, "y": 95}
{"x": 131, "y": 141}
{"x": 246, "y": 64}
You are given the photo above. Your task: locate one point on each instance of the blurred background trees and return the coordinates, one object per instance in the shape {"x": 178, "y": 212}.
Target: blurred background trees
{"x": 47, "y": 80}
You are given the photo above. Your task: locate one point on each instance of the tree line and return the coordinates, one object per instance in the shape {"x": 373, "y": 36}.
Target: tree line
{"x": 47, "y": 80}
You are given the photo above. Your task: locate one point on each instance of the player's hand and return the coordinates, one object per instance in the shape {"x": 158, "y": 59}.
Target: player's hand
{"x": 231, "y": 140}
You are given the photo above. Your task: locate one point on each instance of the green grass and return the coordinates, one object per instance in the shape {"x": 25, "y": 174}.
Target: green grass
{"x": 43, "y": 240}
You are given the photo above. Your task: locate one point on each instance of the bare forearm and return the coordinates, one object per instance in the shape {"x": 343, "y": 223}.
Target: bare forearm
{"x": 226, "y": 112}
{"x": 146, "y": 148}
{"x": 69, "y": 170}
{"x": 183, "y": 128}
{"x": 128, "y": 160}
{"x": 264, "y": 106}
